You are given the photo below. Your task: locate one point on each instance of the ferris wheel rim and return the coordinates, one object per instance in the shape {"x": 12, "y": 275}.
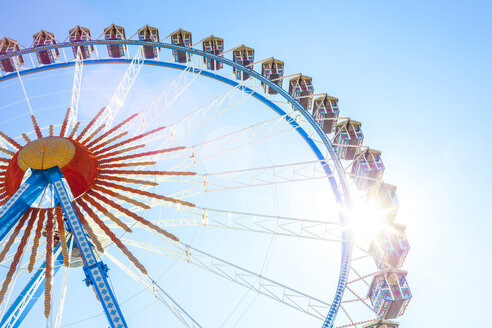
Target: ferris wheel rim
{"x": 345, "y": 192}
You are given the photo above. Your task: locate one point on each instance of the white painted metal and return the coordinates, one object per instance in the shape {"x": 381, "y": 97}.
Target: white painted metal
{"x": 77, "y": 84}
{"x": 119, "y": 96}
{"x": 150, "y": 285}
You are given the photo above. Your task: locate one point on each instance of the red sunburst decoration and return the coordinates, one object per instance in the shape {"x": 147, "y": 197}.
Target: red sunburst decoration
{"x": 97, "y": 166}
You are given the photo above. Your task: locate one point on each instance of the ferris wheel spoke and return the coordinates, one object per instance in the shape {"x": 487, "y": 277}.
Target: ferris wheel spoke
{"x": 246, "y": 278}
{"x": 158, "y": 292}
{"x": 170, "y": 94}
{"x": 207, "y": 113}
{"x": 124, "y": 87}
{"x": 347, "y": 314}
{"x": 30, "y": 294}
{"x": 63, "y": 290}
{"x": 248, "y": 178}
{"x": 253, "y": 222}
{"x": 77, "y": 84}
{"x": 231, "y": 142}
{"x": 256, "y": 282}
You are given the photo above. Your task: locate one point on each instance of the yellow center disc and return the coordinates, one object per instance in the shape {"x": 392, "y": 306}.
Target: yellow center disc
{"x": 46, "y": 153}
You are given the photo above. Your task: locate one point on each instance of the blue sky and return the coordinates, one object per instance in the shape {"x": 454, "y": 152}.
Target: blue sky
{"x": 417, "y": 74}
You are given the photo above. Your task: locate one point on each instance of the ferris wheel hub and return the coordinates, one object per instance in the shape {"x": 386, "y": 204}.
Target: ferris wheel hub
{"x": 45, "y": 153}
{"x": 77, "y": 163}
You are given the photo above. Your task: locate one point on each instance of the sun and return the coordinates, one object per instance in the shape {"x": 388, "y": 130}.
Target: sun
{"x": 97, "y": 167}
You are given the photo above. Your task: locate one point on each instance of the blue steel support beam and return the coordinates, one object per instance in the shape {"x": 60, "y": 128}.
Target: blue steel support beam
{"x": 18, "y": 204}
{"x": 30, "y": 294}
{"x": 96, "y": 271}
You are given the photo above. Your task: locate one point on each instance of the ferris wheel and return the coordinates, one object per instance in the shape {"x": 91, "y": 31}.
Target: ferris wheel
{"x": 183, "y": 187}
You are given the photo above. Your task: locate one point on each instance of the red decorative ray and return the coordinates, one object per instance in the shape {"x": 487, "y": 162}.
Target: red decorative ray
{"x": 128, "y": 180}
{"x": 142, "y": 172}
{"x": 107, "y": 213}
{"x": 111, "y": 235}
{"x": 109, "y": 132}
{"x": 129, "y": 164}
{"x": 65, "y": 122}
{"x": 49, "y": 264}
{"x": 121, "y": 197}
{"x": 132, "y": 215}
{"x": 155, "y": 152}
{"x": 91, "y": 123}
{"x": 127, "y": 141}
{"x": 36, "y": 127}
{"x": 74, "y": 130}
{"x": 17, "y": 256}
{"x": 88, "y": 228}
{"x": 61, "y": 232}
{"x": 107, "y": 142}
{"x": 14, "y": 234}
{"x": 143, "y": 193}
{"x": 37, "y": 236}
{"x": 10, "y": 140}
{"x": 119, "y": 152}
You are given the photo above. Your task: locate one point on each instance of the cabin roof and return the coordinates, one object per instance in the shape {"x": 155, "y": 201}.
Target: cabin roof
{"x": 180, "y": 30}
{"x": 243, "y": 48}
{"x": 78, "y": 27}
{"x": 214, "y": 37}
{"x": 323, "y": 96}
{"x": 114, "y": 26}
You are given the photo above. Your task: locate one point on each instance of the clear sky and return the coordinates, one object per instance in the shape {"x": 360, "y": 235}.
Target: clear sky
{"x": 416, "y": 73}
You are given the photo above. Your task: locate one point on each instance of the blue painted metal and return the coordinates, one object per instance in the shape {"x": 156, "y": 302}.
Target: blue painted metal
{"x": 344, "y": 201}
{"x": 18, "y": 204}
{"x": 30, "y": 294}
{"x": 96, "y": 271}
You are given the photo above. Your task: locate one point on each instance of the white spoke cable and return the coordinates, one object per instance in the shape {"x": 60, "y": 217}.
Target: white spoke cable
{"x": 63, "y": 291}
{"x": 158, "y": 292}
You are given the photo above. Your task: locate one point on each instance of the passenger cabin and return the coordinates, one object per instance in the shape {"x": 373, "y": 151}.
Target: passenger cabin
{"x": 301, "y": 88}
{"x": 380, "y": 323}
{"x": 213, "y": 45}
{"x": 272, "y": 69}
{"x": 148, "y": 33}
{"x": 384, "y": 198}
{"x": 8, "y": 46}
{"x": 41, "y": 39}
{"x": 81, "y": 34}
{"x": 389, "y": 294}
{"x": 367, "y": 169}
{"x": 181, "y": 38}
{"x": 390, "y": 247}
{"x": 325, "y": 111}
{"x": 244, "y": 56}
{"x": 348, "y": 139}
{"x": 114, "y": 33}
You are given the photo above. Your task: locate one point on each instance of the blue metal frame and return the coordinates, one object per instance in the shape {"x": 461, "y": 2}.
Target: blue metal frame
{"x": 16, "y": 313}
{"x": 344, "y": 201}
{"x": 96, "y": 271}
